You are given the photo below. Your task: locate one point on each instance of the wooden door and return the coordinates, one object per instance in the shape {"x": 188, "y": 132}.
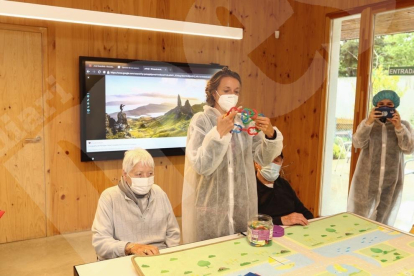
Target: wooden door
{"x": 22, "y": 158}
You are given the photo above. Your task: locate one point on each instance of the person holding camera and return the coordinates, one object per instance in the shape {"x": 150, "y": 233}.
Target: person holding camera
{"x": 384, "y": 138}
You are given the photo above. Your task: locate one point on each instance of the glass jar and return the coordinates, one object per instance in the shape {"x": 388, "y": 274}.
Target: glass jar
{"x": 260, "y": 230}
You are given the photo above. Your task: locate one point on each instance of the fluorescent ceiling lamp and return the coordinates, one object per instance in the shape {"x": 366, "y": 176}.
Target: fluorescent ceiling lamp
{"x": 52, "y": 13}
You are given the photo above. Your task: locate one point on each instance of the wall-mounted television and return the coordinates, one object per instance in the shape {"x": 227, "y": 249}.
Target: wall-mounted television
{"x": 134, "y": 103}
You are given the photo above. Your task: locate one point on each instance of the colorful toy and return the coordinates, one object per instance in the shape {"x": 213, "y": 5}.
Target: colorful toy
{"x": 260, "y": 230}
{"x": 247, "y": 116}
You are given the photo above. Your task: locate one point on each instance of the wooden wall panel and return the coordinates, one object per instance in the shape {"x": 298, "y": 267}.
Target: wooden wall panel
{"x": 281, "y": 77}
{"x": 22, "y": 180}
{"x": 284, "y": 77}
{"x": 73, "y": 188}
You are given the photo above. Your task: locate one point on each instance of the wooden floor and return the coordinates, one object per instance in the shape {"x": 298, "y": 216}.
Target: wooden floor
{"x": 47, "y": 256}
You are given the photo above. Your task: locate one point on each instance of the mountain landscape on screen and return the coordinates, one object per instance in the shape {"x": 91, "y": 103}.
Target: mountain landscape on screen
{"x": 151, "y": 121}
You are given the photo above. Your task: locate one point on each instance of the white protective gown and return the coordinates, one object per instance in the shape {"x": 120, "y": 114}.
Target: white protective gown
{"x": 377, "y": 183}
{"x": 219, "y": 193}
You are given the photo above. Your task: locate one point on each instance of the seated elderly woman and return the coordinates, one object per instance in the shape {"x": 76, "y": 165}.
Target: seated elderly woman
{"x": 134, "y": 217}
{"x": 277, "y": 198}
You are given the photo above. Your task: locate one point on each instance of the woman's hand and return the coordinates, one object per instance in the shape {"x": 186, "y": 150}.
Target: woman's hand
{"x": 372, "y": 116}
{"x": 144, "y": 249}
{"x": 294, "y": 219}
{"x": 264, "y": 124}
{"x": 226, "y": 124}
{"x": 396, "y": 120}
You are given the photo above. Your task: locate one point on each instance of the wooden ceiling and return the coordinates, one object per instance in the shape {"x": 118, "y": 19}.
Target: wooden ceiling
{"x": 388, "y": 23}
{"x": 350, "y": 29}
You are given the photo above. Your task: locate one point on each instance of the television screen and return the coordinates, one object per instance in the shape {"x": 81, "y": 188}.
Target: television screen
{"x": 129, "y": 103}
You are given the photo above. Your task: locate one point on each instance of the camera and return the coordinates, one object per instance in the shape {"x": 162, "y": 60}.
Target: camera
{"x": 387, "y": 112}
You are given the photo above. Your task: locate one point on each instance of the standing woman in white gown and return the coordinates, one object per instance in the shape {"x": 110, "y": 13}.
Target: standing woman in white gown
{"x": 377, "y": 184}
{"x": 219, "y": 193}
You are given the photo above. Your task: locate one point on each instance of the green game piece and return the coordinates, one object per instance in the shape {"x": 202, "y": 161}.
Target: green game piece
{"x": 330, "y": 230}
{"x": 289, "y": 233}
{"x": 243, "y": 264}
{"x": 204, "y": 263}
{"x": 211, "y": 256}
{"x": 236, "y": 242}
{"x": 333, "y": 225}
{"x": 306, "y": 235}
{"x": 323, "y": 236}
{"x": 188, "y": 272}
{"x": 356, "y": 224}
{"x": 243, "y": 254}
{"x": 376, "y": 250}
{"x": 399, "y": 257}
{"x": 383, "y": 261}
{"x": 348, "y": 234}
{"x": 362, "y": 230}
{"x": 145, "y": 266}
{"x": 173, "y": 259}
{"x": 165, "y": 271}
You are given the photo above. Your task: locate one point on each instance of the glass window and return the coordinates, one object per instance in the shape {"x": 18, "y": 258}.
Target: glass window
{"x": 340, "y": 114}
{"x": 393, "y": 69}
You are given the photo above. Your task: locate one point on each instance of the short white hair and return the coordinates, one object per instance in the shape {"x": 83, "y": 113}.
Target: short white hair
{"x": 135, "y": 156}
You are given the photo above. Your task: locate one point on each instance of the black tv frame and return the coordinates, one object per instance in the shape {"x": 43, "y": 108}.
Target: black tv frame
{"x": 116, "y": 155}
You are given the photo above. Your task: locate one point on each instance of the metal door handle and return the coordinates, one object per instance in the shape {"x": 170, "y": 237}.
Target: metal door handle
{"x": 33, "y": 140}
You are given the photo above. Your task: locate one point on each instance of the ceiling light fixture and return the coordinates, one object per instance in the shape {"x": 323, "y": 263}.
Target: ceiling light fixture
{"x": 69, "y": 15}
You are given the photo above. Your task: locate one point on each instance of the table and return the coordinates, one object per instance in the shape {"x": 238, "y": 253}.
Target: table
{"x": 123, "y": 265}
{"x": 343, "y": 244}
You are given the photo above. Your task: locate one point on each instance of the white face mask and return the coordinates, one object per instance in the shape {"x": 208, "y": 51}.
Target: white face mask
{"x": 227, "y": 101}
{"x": 141, "y": 186}
{"x": 271, "y": 172}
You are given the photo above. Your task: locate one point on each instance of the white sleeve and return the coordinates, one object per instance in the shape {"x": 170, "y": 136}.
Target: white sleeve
{"x": 405, "y": 138}
{"x": 361, "y": 137}
{"x": 265, "y": 150}
{"x": 173, "y": 230}
{"x": 206, "y": 151}
{"x": 103, "y": 241}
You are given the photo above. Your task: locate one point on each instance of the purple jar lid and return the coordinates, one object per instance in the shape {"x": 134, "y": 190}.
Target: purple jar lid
{"x": 278, "y": 231}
